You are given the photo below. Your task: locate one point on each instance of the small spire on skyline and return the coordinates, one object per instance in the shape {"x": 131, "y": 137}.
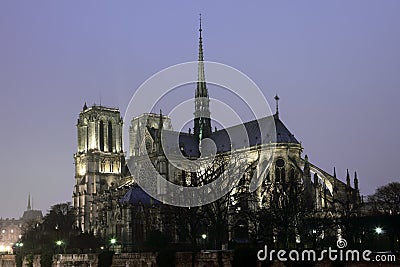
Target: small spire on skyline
{"x": 29, "y": 202}
{"x": 277, "y": 105}
{"x": 355, "y": 180}
{"x": 347, "y": 178}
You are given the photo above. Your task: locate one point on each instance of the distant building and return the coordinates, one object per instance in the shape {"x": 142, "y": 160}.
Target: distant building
{"x": 11, "y": 229}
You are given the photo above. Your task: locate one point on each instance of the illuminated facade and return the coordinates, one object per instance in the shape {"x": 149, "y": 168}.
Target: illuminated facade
{"x": 11, "y": 229}
{"x": 98, "y": 161}
{"x": 109, "y": 202}
{"x": 10, "y": 232}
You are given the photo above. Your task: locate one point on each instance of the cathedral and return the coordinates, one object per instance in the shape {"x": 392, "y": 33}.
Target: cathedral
{"x": 109, "y": 202}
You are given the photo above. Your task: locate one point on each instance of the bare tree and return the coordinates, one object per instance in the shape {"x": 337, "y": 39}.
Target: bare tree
{"x": 386, "y": 206}
{"x": 387, "y": 198}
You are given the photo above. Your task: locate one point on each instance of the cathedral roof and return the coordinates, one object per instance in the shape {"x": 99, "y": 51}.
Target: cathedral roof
{"x": 222, "y": 138}
{"x": 283, "y": 135}
{"x": 136, "y": 196}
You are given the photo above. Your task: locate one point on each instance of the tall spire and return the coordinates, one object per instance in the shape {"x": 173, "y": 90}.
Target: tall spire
{"x": 29, "y": 202}
{"x": 202, "y": 121}
{"x": 201, "y": 58}
{"x": 201, "y": 83}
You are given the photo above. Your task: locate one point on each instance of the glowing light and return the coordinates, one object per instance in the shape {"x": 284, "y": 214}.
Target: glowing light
{"x": 59, "y": 242}
{"x": 204, "y": 236}
{"x": 378, "y": 230}
{"x": 82, "y": 170}
{"x": 113, "y": 241}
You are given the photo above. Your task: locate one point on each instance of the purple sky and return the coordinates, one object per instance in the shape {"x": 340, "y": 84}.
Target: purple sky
{"x": 335, "y": 66}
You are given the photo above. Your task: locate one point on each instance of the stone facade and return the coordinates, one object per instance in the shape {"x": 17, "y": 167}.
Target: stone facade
{"x": 109, "y": 202}
{"x": 98, "y": 161}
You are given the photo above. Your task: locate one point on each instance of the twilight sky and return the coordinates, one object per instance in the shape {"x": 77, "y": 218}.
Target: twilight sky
{"x": 335, "y": 66}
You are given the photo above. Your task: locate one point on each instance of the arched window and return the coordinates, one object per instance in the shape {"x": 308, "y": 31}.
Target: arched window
{"x": 280, "y": 171}
{"x": 102, "y": 166}
{"x": 110, "y": 137}
{"x": 292, "y": 174}
{"x": 101, "y": 137}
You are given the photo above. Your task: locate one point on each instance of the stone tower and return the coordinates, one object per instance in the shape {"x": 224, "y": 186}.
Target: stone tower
{"x": 98, "y": 161}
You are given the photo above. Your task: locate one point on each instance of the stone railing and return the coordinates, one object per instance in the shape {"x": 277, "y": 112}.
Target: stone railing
{"x": 60, "y": 260}
{"x": 7, "y": 261}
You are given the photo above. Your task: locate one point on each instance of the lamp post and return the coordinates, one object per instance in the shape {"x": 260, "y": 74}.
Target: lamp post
{"x": 204, "y": 236}
{"x": 18, "y": 246}
{"x": 113, "y": 241}
{"x": 59, "y": 243}
{"x": 378, "y": 230}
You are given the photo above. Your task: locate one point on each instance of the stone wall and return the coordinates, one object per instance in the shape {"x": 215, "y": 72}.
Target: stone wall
{"x": 209, "y": 259}
{"x": 87, "y": 260}
{"x": 7, "y": 261}
{"x": 149, "y": 259}
{"x": 145, "y": 259}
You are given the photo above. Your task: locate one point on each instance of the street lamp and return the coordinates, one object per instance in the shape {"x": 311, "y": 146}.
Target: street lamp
{"x": 204, "y": 236}
{"x": 112, "y": 242}
{"x": 378, "y": 230}
{"x": 59, "y": 243}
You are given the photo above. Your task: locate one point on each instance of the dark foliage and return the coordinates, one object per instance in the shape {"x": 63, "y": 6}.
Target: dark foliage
{"x": 46, "y": 259}
{"x": 105, "y": 258}
{"x": 166, "y": 258}
{"x": 245, "y": 256}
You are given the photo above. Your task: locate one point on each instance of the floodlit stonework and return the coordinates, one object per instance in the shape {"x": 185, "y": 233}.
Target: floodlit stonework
{"x": 98, "y": 161}
{"x": 109, "y": 202}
